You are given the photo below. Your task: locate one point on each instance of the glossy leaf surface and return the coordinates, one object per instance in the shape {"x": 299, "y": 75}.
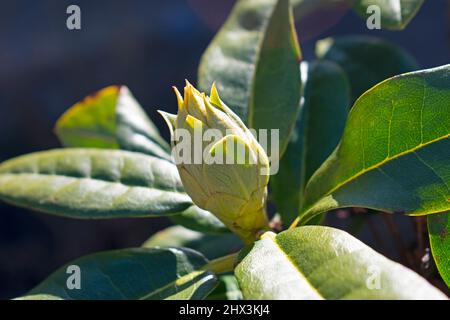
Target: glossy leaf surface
{"x": 394, "y": 155}
{"x": 93, "y": 183}
{"x": 254, "y": 60}
{"x": 132, "y": 274}
{"x": 315, "y": 263}
{"x": 111, "y": 119}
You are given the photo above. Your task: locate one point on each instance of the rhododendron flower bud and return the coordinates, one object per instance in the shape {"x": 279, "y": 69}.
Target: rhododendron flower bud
{"x": 221, "y": 164}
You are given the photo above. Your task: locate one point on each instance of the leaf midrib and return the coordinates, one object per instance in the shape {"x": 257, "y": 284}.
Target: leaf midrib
{"x": 189, "y": 278}
{"x": 376, "y": 166}
{"x": 92, "y": 179}
{"x": 300, "y": 273}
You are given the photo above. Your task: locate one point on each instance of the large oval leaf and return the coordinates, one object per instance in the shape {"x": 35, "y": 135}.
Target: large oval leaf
{"x": 211, "y": 246}
{"x": 439, "y": 231}
{"x": 315, "y": 262}
{"x": 254, "y": 61}
{"x": 130, "y": 274}
{"x": 394, "y": 14}
{"x": 395, "y": 152}
{"x": 93, "y": 183}
{"x": 317, "y": 133}
{"x": 111, "y": 119}
{"x": 366, "y": 60}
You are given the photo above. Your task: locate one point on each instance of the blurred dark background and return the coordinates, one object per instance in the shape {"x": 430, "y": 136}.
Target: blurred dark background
{"x": 148, "y": 45}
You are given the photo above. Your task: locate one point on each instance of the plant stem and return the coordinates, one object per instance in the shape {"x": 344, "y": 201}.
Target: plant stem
{"x": 294, "y": 223}
{"x": 223, "y": 264}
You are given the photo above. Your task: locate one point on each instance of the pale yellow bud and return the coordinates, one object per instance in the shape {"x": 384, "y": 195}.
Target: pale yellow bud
{"x": 232, "y": 176}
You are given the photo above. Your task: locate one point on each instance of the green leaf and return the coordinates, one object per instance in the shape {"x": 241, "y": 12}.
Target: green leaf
{"x": 111, "y": 119}
{"x": 315, "y": 262}
{"x": 227, "y": 289}
{"x": 439, "y": 231}
{"x": 254, "y": 60}
{"x": 93, "y": 183}
{"x": 211, "y": 246}
{"x": 394, "y": 155}
{"x": 96, "y": 183}
{"x": 394, "y": 14}
{"x": 131, "y": 274}
{"x": 197, "y": 219}
{"x": 317, "y": 133}
{"x": 366, "y": 60}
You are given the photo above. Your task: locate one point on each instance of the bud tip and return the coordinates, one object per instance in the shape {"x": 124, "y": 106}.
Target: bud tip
{"x": 179, "y": 98}
{"x": 170, "y": 120}
{"x": 215, "y": 95}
